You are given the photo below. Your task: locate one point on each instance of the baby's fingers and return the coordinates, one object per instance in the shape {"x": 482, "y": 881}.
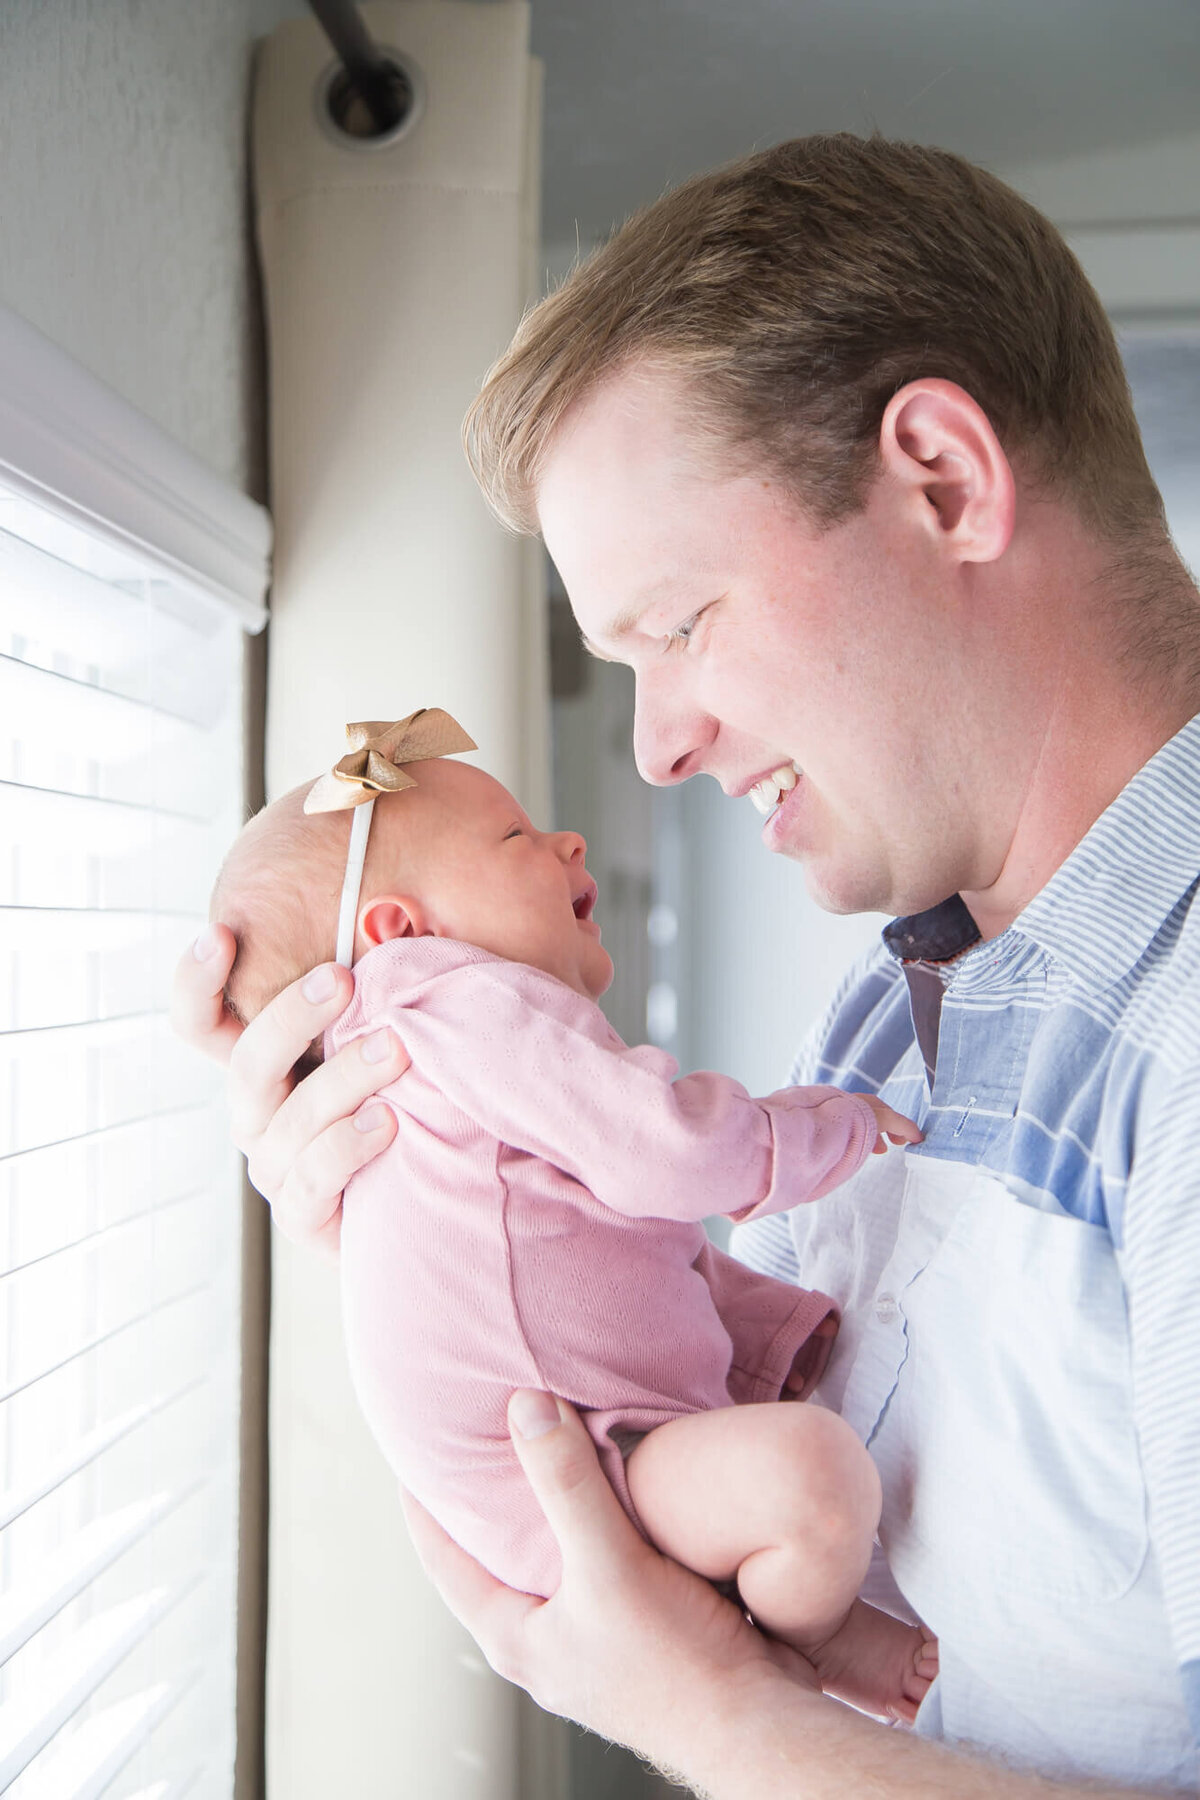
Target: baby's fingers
{"x": 891, "y": 1124}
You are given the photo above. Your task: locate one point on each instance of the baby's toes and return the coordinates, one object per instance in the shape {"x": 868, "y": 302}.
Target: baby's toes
{"x": 904, "y": 1710}
{"x": 921, "y": 1676}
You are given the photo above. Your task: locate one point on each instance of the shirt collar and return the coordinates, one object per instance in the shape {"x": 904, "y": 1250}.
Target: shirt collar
{"x": 1100, "y": 911}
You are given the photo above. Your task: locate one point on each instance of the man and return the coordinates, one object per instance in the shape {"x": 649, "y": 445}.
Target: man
{"x": 835, "y": 450}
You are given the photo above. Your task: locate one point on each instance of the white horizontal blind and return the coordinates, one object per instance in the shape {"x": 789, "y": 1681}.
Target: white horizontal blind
{"x": 120, "y": 786}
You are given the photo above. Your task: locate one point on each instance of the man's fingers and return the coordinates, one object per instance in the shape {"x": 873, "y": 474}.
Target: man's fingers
{"x": 197, "y": 994}
{"x": 330, "y": 1095}
{"x": 560, "y": 1462}
{"x": 308, "y": 1200}
{"x": 494, "y": 1614}
{"x": 302, "y": 1141}
{"x": 273, "y": 1043}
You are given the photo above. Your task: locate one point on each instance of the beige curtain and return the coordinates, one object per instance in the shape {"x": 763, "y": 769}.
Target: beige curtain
{"x": 393, "y": 274}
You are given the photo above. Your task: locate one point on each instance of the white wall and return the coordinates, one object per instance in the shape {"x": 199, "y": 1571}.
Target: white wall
{"x": 1133, "y": 220}
{"x": 759, "y": 959}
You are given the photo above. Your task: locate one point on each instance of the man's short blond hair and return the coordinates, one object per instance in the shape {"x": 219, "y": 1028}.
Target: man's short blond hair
{"x": 796, "y": 292}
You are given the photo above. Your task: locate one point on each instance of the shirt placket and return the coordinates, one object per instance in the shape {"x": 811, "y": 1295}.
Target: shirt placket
{"x": 972, "y": 1066}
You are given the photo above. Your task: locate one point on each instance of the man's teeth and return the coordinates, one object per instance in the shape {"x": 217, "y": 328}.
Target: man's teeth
{"x": 767, "y": 794}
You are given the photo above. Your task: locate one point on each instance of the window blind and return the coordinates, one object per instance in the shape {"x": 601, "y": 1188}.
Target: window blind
{"x": 120, "y": 787}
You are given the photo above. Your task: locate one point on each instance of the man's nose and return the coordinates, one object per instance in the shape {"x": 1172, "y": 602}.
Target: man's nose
{"x": 669, "y": 745}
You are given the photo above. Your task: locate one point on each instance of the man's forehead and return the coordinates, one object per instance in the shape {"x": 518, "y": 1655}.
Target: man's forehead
{"x": 631, "y": 433}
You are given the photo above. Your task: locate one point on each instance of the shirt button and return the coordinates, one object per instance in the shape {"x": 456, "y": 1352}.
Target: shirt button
{"x": 886, "y": 1310}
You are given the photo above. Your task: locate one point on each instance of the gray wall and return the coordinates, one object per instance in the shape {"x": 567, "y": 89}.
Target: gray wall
{"x": 123, "y": 208}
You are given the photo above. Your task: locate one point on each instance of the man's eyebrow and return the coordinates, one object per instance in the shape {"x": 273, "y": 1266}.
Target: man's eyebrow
{"x": 620, "y": 627}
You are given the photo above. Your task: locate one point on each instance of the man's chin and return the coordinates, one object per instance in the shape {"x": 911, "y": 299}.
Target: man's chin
{"x": 836, "y": 888}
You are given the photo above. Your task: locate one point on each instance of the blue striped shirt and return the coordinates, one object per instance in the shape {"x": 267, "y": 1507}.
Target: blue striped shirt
{"x": 1067, "y": 1065}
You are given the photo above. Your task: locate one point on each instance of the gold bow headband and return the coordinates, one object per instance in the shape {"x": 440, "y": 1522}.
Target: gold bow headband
{"x": 370, "y": 768}
{"x": 376, "y": 750}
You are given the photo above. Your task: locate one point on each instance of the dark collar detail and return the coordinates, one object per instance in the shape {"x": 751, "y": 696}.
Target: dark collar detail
{"x": 944, "y": 931}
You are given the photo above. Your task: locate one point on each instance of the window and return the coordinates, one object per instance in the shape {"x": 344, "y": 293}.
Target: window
{"x": 121, "y": 648}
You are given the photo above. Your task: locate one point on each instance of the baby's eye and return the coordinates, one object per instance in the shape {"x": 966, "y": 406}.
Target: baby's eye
{"x": 682, "y": 633}
{"x": 514, "y": 833}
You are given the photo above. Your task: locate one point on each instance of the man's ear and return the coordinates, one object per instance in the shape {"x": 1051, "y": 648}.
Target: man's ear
{"x": 390, "y": 916}
{"x": 940, "y": 443}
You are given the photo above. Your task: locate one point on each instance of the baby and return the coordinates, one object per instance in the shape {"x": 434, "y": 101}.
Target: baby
{"x": 535, "y": 1222}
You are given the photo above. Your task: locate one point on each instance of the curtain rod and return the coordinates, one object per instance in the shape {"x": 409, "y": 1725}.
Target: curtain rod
{"x": 382, "y": 87}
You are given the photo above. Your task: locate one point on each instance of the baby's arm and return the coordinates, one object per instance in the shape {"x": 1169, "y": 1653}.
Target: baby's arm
{"x": 785, "y": 1500}
{"x": 538, "y": 1067}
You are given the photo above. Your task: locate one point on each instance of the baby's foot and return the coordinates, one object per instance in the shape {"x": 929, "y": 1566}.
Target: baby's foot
{"x": 877, "y": 1663}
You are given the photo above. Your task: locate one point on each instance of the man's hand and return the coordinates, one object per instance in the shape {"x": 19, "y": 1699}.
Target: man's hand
{"x": 648, "y": 1654}
{"x": 302, "y": 1140}
{"x": 632, "y": 1644}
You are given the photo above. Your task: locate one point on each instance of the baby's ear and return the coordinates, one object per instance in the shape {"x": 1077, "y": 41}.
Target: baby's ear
{"x": 391, "y": 916}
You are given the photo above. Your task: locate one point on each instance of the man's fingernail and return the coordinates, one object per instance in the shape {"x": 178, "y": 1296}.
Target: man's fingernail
{"x": 205, "y": 944}
{"x": 533, "y": 1414}
{"x": 370, "y": 1118}
{"x": 320, "y": 985}
{"x": 378, "y": 1047}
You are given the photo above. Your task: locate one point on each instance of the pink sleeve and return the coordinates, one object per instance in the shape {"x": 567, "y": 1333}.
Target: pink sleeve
{"x": 538, "y": 1067}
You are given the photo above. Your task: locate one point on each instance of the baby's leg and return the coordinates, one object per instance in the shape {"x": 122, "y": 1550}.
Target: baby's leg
{"x": 786, "y": 1500}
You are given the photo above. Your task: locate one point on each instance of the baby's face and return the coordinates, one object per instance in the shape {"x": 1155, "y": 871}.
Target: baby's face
{"x": 476, "y": 869}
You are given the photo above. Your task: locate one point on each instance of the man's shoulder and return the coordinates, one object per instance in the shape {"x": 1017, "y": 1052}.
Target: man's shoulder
{"x": 1155, "y": 1009}
{"x": 865, "y": 1030}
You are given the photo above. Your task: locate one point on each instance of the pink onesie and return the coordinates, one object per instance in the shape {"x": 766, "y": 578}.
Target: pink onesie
{"x": 535, "y": 1223}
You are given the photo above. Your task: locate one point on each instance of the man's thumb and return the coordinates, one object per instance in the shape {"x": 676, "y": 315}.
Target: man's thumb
{"x": 560, "y": 1462}
{"x": 531, "y": 1414}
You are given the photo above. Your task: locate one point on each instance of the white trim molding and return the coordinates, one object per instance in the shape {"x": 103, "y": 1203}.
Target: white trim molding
{"x": 81, "y": 452}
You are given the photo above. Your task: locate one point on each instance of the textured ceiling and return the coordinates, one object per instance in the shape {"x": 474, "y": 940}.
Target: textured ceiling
{"x": 641, "y": 93}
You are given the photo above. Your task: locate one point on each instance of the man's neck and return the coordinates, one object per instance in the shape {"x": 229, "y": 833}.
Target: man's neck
{"x": 1094, "y": 745}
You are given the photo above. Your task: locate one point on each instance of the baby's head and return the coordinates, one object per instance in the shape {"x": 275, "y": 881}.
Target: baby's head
{"x": 453, "y": 857}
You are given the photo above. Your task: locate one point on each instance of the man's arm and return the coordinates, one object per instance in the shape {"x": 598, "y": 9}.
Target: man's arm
{"x": 648, "y": 1654}
{"x": 1158, "y": 1253}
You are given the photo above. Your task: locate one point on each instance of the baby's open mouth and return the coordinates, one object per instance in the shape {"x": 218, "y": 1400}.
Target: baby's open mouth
{"x": 584, "y": 904}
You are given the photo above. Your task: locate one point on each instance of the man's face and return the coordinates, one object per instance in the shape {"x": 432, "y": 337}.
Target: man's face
{"x": 761, "y": 643}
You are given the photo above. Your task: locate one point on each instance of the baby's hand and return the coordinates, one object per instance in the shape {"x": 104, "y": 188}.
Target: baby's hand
{"x": 893, "y": 1126}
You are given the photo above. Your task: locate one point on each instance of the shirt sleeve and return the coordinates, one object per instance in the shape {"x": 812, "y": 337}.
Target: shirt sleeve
{"x": 1159, "y": 1254}
{"x": 538, "y": 1067}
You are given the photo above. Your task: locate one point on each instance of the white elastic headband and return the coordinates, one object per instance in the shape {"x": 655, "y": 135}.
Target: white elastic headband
{"x": 356, "y": 856}
{"x": 374, "y": 765}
